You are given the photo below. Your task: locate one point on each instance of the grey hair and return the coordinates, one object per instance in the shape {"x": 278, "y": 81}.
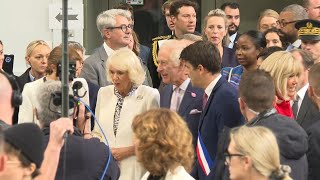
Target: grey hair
{"x": 108, "y": 18}
{"x": 46, "y": 115}
{"x": 297, "y": 10}
{"x": 307, "y": 59}
{"x": 175, "y": 48}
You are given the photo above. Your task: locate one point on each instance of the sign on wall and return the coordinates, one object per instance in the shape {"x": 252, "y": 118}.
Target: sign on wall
{"x": 135, "y": 2}
{"x": 75, "y": 16}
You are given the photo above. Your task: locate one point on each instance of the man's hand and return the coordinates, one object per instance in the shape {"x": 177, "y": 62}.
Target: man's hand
{"x": 57, "y": 130}
{"x": 82, "y": 119}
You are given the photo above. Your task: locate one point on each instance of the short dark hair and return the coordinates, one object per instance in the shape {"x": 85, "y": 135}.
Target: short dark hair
{"x": 165, "y": 5}
{"x": 257, "y": 38}
{"x": 257, "y": 90}
{"x": 305, "y": 3}
{"x": 204, "y": 53}
{"x": 177, "y": 4}
{"x": 268, "y": 51}
{"x": 307, "y": 60}
{"x": 232, "y": 5}
{"x": 125, "y": 6}
{"x": 1, "y": 42}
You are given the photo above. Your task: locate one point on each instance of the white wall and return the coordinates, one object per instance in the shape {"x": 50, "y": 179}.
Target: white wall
{"x": 25, "y": 21}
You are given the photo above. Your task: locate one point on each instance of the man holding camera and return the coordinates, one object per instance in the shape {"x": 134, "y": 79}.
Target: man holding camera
{"x": 86, "y": 157}
{"x": 8, "y": 99}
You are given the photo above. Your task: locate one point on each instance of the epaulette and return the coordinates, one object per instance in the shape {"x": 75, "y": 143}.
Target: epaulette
{"x": 155, "y": 47}
{"x": 161, "y": 38}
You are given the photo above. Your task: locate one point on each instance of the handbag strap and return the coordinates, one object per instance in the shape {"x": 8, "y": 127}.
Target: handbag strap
{"x": 230, "y": 73}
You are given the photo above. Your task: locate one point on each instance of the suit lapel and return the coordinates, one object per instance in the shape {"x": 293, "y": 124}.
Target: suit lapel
{"x": 305, "y": 105}
{"x": 186, "y": 100}
{"x": 165, "y": 99}
{"x": 204, "y": 113}
{"x": 103, "y": 56}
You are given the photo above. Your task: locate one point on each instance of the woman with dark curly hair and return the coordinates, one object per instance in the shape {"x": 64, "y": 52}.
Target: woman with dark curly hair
{"x": 276, "y": 38}
{"x": 163, "y": 145}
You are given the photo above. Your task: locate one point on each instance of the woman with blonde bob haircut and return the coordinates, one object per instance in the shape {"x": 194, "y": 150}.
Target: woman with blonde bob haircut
{"x": 215, "y": 30}
{"x": 126, "y": 60}
{"x": 285, "y": 71}
{"x": 253, "y": 153}
{"x": 119, "y": 103}
{"x": 163, "y": 145}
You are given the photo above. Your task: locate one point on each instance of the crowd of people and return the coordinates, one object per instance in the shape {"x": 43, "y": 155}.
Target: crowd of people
{"x": 219, "y": 104}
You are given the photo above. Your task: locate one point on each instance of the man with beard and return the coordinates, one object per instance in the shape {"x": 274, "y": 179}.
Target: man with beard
{"x": 287, "y": 19}
{"x": 233, "y": 18}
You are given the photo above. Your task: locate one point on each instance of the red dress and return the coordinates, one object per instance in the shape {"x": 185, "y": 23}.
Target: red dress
{"x": 284, "y": 108}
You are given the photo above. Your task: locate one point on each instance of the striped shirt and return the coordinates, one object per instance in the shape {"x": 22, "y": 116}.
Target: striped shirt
{"x": 235, "y": 75}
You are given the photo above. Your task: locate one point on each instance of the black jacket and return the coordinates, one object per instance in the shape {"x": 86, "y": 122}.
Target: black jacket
{"x": 86, "y": 159}
{"x": 292, "y": 141}
{"x": 291, "y": 138}
{"x": 314, "y": 151}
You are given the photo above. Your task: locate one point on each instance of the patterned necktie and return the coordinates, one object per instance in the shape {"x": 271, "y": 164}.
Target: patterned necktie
{"x": 204, "y": 100}
{"x": 295, "y": 107}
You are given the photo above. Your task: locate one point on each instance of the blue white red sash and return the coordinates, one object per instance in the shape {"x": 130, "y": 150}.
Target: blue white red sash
{"x": 204, "y": 158}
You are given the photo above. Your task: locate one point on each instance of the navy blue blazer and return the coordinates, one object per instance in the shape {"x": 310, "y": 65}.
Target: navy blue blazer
{"x": 229, "y": 58}
{"x": 308, "y": 113}
{"x": 222, "y": 109}
{"x": 191, "y": 101}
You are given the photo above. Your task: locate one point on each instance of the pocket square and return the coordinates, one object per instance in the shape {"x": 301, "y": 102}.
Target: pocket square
{"x": 195, "y": 111}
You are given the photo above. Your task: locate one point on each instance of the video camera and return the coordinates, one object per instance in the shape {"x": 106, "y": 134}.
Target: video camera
{"x": 72, "y": 70}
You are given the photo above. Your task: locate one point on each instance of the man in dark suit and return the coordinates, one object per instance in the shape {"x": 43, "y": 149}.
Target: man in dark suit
{"x": 313, "y": 132}
{"x": 179, "y": 95}
{"x": 115, "y": 27}
{"x": 220, "y": 101}
{"x": 233, "y": 18}
{"x": 305, "y": 112}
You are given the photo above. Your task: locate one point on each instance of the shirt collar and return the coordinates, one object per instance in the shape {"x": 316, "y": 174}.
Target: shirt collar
{"x": 301, "y": 93}
{"x": 108, "y": 50}
{"x": 184, "y": 85}
{"x": 31, "y": 77}
{"x": 297, "y": 43}
{"x": 210, "y": 87}
{"x": 233, "y": 37}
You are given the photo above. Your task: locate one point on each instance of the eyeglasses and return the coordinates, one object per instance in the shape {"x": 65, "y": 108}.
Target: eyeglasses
{"x": 228, "y": 156}
{"x": 282, "y": 23}
{"x": 124, "y": 28}
{"x": 11, "y": 162}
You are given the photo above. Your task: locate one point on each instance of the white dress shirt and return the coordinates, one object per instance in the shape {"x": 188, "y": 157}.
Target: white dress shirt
{"x": 210, "y": 87}
{"x": 232, "y": 39}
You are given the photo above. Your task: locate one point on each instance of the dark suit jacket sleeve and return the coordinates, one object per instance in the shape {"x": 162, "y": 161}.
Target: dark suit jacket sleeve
{"x": 313, "y": 153}
{"x": 98, "y": 151}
